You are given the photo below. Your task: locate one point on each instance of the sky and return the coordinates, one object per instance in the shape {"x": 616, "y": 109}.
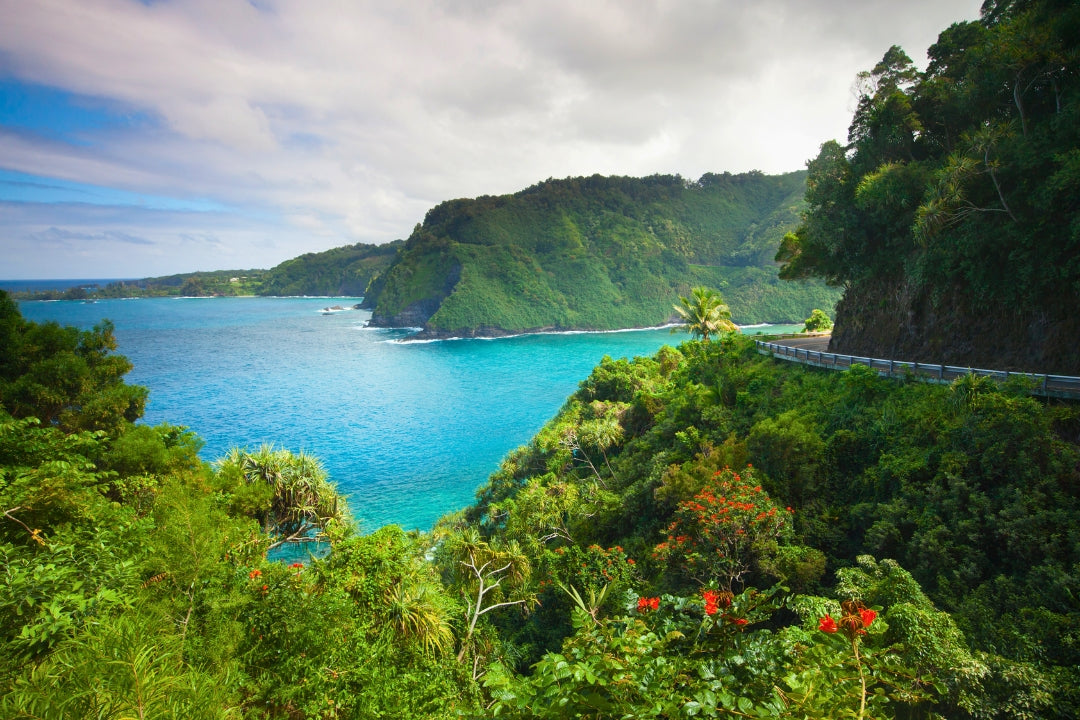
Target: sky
{"x": 149, "y": 138}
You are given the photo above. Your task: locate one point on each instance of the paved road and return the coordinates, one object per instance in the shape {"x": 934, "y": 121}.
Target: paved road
{"x": 813, "y": 342}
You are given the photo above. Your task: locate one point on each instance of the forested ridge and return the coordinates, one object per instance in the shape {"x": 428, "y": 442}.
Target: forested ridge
{"x": 339, "y": 271}
{"x": 952, "y": 215}
{"x": 592, "y": 253}
{"x": 597, "y": 253}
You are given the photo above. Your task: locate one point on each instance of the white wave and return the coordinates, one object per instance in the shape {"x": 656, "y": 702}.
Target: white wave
{"x": 538, "y": 332}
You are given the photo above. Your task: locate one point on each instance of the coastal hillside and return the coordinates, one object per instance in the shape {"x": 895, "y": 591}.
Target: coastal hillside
{"x": 339, "y": 271}
{"x": 952, "y": 214}
{"x": 597, "y": 253}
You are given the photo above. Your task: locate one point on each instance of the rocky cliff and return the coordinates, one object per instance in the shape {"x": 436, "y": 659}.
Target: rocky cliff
{"x": 897, "y": 321}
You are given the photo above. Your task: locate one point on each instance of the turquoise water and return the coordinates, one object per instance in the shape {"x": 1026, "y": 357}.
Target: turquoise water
{"x": 407, "y": 430}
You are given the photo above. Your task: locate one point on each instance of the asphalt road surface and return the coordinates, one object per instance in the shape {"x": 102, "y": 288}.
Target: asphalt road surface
{"x": 814, "y": 342}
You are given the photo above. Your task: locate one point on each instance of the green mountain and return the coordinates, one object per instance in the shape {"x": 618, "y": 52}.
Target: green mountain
{"x": 953, "y": 213}
{"x": 597, "y": 253}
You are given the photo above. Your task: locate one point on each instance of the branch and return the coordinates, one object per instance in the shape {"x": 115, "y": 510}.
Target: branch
{"x": 34, "y": 534}
{"x": 502, "y": 604}
{"x": 298, "y": 536}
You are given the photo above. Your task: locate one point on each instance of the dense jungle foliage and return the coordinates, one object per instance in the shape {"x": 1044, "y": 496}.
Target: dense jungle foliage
{"x": 598, "y": 253}
{"x": 707, "y": 532}
{"x": 954, "y": 208}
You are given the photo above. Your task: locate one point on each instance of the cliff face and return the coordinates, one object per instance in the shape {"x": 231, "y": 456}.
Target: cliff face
{"x": 416, "y": 311}
{"x": 415, "y": 315}
{"x": 895, "y": 320}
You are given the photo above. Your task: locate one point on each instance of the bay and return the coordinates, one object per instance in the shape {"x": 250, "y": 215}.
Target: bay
{"x": 407, "y": 430}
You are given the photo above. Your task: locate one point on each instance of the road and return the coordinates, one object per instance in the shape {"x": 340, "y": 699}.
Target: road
{"x": 819, "y": 343}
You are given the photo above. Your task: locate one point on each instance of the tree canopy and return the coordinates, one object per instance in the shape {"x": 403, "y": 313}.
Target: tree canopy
{"x": 956, "y": 193}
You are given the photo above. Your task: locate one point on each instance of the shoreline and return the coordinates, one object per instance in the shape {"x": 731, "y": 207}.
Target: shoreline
{"x": 429, "y": 336}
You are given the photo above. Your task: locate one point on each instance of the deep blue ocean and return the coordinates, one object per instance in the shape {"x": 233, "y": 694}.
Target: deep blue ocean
{"x": 407, "y": 430}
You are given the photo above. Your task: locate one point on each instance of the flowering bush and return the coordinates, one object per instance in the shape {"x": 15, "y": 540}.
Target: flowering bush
{"x": 723, "y": 529}
{"x": 715, "y": 600}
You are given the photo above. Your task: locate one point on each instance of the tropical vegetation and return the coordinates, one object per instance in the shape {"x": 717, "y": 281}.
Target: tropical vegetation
{"x": 707, "y": 532}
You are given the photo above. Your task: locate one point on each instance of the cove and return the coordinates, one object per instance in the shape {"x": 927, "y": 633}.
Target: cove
{"x": 408, "y": 431}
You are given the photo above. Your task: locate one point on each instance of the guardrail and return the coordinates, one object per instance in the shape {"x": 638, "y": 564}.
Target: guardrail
{"x": 1062, "y": 386}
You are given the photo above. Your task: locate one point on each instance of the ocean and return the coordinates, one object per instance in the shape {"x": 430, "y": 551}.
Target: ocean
{"x": 407, "y": 430}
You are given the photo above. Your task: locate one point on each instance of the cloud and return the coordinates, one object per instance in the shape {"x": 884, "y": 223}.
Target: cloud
{"x": 341, "y": 122}
{"x": 57, "y": 236}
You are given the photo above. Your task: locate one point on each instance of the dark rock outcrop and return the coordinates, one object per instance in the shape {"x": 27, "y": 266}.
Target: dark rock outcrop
{"x": 900, "y": 321}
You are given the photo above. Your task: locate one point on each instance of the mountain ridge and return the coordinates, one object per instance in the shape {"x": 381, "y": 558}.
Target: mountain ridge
{"x": 596, "y": 253}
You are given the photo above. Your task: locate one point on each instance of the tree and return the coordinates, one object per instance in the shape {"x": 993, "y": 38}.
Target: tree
{"x": 193, "y": 287}
{"x": 818, "y": 322}
{"x": 65, "y": 377}
{"x": 289, "y": 494}
{"x": 488, "y": 575}
{"x": 704, "y": 313}
{"x": 722, "y": 532}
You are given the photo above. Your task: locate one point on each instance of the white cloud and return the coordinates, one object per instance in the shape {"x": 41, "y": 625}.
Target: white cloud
{"x": 327, "y": 122}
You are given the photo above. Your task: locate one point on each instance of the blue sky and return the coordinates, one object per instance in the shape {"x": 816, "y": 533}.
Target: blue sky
{"x": 148, "y": 138}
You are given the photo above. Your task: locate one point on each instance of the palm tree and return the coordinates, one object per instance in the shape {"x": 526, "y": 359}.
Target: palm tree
{"x": 704, "y": 313}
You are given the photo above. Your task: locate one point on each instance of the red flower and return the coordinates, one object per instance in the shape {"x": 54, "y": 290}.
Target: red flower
{"x": 868, "y": 616}
{"x": 739, "y": 621}
{"x": 827, "y": 624}
{"x": 254, "y": 574}
{"x": 265, "y": 588}
{"x": 712, "y": 599}
{"x": 296, "y": 565}
{"x": 645, "y": 604}
{"x": 630, "y": 561}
